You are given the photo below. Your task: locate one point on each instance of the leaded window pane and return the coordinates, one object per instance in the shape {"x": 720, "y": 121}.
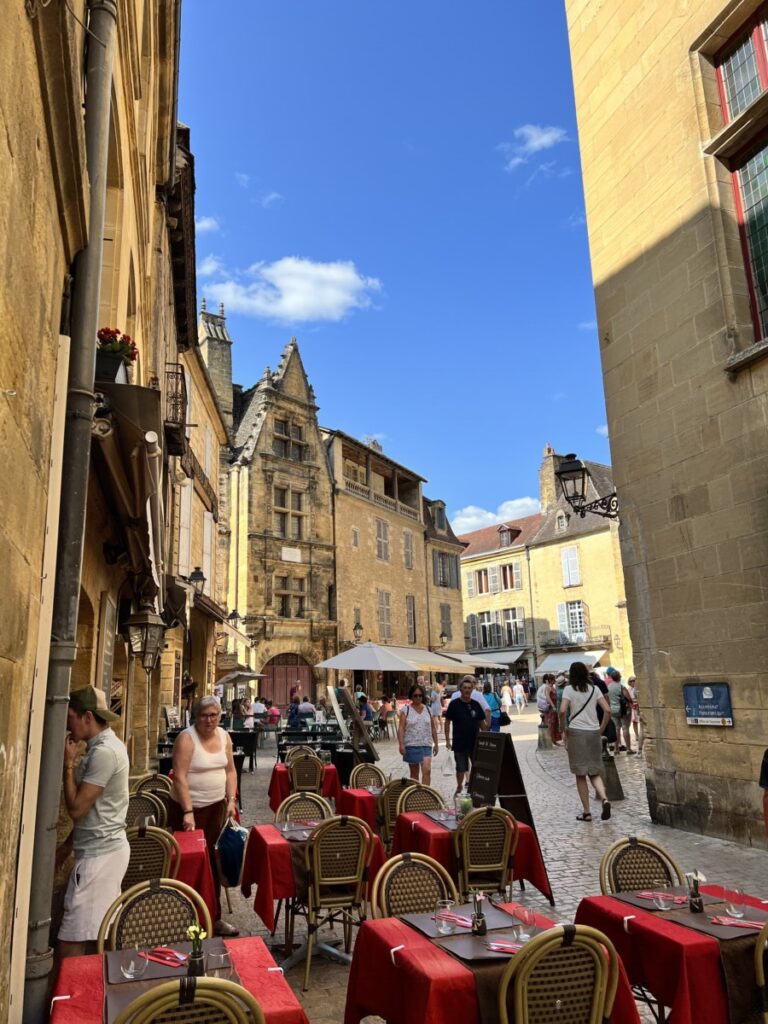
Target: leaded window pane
{"x": 753, "y": 185}
{"x": 741, "y": 78}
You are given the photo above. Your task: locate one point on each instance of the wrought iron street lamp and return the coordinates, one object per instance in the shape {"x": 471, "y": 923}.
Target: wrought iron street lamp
{"x": 574, "y": 477}
{"x": 357, "y": 631}
{"x": 233, "y": 618}
{"x": 197, "y": 579}
{"x": 146, "y": 632}
{"x": 443, "y": 638}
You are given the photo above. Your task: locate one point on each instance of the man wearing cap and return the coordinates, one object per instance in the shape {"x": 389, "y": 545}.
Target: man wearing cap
{"x": 96, "y": 795}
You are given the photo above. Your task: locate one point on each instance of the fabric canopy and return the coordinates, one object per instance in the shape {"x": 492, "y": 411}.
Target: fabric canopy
{"x": 474, "y": 660}
{"x": 428, "y": 661}
{"x": 368, "y": 656}
{"x": 555, "y": 663}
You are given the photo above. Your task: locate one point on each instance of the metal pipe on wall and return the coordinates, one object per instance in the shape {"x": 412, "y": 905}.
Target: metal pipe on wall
{"x": 102, "y": 23}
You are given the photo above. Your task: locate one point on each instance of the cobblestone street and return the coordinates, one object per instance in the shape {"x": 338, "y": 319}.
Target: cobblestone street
{"x": 572, "y": 850}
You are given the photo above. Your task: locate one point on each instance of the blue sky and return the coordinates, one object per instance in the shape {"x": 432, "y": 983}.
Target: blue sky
{"x": 397, "y": 184}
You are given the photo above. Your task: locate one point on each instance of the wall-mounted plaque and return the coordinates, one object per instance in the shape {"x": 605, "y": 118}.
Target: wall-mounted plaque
{"x": 708, "y": 704}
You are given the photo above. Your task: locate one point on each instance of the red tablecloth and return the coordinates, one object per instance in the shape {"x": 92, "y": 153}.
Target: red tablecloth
{"x": 268, "y": 865}
{"x": 417, "y": 833}
{"x": 280, "y": 784}
{"x": 680, "y": 967}
{"x": 360, "y": 803}
{"x": 82, "y": 978}
{"x": 195, "y": 867}
{"x": 425, "y": 985}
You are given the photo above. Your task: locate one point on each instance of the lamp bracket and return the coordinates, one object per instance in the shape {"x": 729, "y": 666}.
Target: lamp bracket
{"x": 607, "y": 507}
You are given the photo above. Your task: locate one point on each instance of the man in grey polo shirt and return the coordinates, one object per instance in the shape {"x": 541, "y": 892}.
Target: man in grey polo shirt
{"x": 96, "y": 795}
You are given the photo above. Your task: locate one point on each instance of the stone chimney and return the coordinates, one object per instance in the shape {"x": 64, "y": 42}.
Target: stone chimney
{"x": 216, "y": 350}
{"x": 549, "y": 485}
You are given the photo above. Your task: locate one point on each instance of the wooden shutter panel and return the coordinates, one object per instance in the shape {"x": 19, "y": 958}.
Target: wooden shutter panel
{"x": 453, "y": 562}
{"x": 493, "y": 578}
{"x": 470, "y": 577}
{"x": 435, "y": 568}
{"x": 473, "y": 632}
{"x": 562, "y": 618}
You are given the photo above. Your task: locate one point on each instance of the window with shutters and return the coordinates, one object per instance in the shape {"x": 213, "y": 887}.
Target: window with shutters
{"x": 185, "y": 528}
{"x": 572, "y": 620}
{"x": 485, "y": 624}
{"x": 407, "y": 549}
{"x": 493, "y": 579}
{"x": 438, "y": 517}
{"x": 410, "y": 617}
{"x": 382, "y": 540}
{"x": 472, "y": 623}
{"x": 512, "y": 576}
{"x": 470, "y": 579}
{"x": 208, "y": 552}
{"x": 385, "y": 617}
{"x": 505, "y": 538}
{"x": 482, "y": 586}
{"x": 569, "y": 558}
{"x": 514, "y": 627}
{"x": 445, "y": 570}
{"x": 445, "y": 621}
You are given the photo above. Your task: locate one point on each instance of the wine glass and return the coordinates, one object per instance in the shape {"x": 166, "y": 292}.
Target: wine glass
{"x": 132, "y": 963}
{"x": 443, "y": 908}
{"x": 527, "y": 919}
{"x": 219, "y": 965}
{"x": 663, "y": 899}
{"x": 734, "y": 902}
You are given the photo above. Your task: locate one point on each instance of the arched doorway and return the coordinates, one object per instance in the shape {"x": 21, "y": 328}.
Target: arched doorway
{"x": 284, "y": 675}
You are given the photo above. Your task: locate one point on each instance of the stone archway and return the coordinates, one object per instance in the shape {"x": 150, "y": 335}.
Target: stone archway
{"x": 284, "y": 675}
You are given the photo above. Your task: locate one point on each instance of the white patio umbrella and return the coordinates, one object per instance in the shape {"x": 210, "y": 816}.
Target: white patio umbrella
{"x": 370, "y": 656}
{"x": 233, "y": 678}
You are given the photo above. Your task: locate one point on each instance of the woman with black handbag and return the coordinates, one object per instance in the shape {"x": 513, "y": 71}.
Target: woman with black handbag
{"x": 579, "y": 722}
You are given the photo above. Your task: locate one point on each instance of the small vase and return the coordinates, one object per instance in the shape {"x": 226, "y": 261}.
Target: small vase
{"x": 696, "y": 904}
{"x": 479, "y": 926}
{"x": 196, "y": 965}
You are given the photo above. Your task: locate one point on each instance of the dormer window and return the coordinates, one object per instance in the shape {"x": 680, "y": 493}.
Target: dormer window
{"x": 288, "y": 441}
{"x": 438, "y": 515}
{"x": 505, "y": 537}
{"x": 561, "y": 523}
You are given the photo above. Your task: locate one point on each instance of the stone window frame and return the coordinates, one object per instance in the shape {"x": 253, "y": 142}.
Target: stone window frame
{"x": 290, "y": 595}
{"x": 289, "y": 521}
{"x": 289, "y": 443}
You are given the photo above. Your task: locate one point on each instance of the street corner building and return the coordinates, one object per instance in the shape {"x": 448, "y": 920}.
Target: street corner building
{"x": 671, "y": 117}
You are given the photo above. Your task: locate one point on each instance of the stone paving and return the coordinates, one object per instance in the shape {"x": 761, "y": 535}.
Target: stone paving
{"x": 572, "y": 849}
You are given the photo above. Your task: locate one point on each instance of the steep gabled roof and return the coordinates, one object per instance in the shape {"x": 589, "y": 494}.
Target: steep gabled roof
{"x": 487, "y": 540}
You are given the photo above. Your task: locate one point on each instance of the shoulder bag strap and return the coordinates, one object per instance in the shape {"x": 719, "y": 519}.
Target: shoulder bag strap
{"x": 587, "y": 701}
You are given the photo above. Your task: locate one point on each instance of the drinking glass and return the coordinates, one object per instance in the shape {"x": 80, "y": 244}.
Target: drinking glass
{"x": 527, "y": 919}
{"x": 444, "y": 907}
{"x": 218, "y": 965}
{"x": 734, "y": 902}
{"x": 132, "y": 964}
{"x": 663, "y": 899}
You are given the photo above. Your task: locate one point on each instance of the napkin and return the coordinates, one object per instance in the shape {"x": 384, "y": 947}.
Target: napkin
{"x": 503, "y": 947}
{"x": 736, "y": 922}
{"x": 463, "y": 922}
{"x": 647, "y": 895}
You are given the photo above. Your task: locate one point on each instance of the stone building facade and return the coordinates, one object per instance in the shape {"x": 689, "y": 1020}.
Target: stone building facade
{"x": 671, "y": 118}
{"x": 548, "y": 589}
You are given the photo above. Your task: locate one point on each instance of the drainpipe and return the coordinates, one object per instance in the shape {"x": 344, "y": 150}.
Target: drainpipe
{"x": 530, "y": 597}
{"x": 76, "y": 458}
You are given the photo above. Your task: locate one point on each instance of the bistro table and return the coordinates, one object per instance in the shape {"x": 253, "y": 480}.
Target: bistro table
{"x": 280, "y": 784}
{"x": 359, "y": 802}
{"x": 269, "y": 864}
{"x": 401, "y": 975}
{"x": 416, "y": 832}
{"x": 195, "y": 867}
{"x": 81, "y": 979}
{"x": 680, "y": 967}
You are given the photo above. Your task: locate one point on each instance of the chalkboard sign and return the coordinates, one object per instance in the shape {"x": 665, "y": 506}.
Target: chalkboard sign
{"x": 708, "y": 704}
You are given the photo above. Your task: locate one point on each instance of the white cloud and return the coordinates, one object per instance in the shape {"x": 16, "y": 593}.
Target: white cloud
{"x": 271, "y": 199}
{"x": 295, "y": 289}
{"x": 210, "y": 266}
{"x": 575, "y": 220}
{"x": 242, "y": 179}
{"x": 530, "y": 139}
{"x": 587, "y": 325}
{"x": 203, "y": 224}
{"x": 472, "y": 517}
{"x": 602, "y": 430}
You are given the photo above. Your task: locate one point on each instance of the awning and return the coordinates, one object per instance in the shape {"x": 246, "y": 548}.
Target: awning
{"x": 128, "y": 428}
{"x": 426, "y": 660}
{"x": 475, "y": 661}
{"x": 555, "y": 663}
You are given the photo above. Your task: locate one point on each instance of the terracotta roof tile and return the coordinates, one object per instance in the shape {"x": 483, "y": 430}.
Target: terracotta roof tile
{"x": 487, "y": 540}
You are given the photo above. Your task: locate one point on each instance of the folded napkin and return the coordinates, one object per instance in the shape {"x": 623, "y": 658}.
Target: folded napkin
{"x": 736, "y": 922}
{"x": 167, "y": 961}
{"x": 647, "y": 895}
{"x": 459, "y": 919}
{"x": 503, "y": 947}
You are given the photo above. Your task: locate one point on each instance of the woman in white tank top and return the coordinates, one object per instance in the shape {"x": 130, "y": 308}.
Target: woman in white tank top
{"x": 204, "y": 791}
{"x": 417, "y": 735}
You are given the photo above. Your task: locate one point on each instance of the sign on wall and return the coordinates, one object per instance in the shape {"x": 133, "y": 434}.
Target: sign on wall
{"x": 105, "y": 655}
{"x": 708, "y": 704}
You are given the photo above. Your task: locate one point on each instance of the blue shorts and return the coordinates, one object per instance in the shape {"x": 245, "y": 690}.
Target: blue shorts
{"x": 415, "y": 755}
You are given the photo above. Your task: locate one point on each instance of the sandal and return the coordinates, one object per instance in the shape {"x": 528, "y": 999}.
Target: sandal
{"x": 606, "y": 810}
{"x": 584, "y": 816}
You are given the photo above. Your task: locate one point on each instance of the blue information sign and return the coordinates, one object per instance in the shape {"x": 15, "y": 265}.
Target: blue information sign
{"x": 708, "y": 703}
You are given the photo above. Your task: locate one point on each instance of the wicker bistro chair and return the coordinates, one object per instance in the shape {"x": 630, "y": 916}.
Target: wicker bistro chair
{"x": 386, "y": 807}
{"x": 155, "y": 783}
{"x": 568, "y": 973}
{"x": 485, "y": 842}
{"x": 152, "y": 913}
{"x": 154, "y": 854}
{"x": 145, "y": 805}
{"x": 634, "y": 863}
{"x": 761, "y": 952}
{"x": 366, "y": 774}
{"x": 304, "y": 806}
{"x": 299, "y": 751}
{"x": 419, "y": 798}
{"x": 410, "y": 883}
{"x": 336, "y": 858}
{"x": 306, "y": 774}
{"x": 204, "y": 1000}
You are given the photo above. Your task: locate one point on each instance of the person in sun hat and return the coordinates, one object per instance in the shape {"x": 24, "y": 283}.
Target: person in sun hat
{"x": 96, "y": 796}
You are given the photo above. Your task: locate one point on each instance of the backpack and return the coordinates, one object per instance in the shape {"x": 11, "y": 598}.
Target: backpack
{"x": 623, "y": 706}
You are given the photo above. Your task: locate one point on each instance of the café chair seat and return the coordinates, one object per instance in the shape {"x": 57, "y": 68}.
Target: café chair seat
{"x": 419, "y": 798}
{"x": 202, "y": 1000}
{"x": 155, "y": 853}
{"x": 152, "y": 913}
{"x": 485, "y": 842}
{"x": 366, "y": 774}
{"x": 144, "y": 805}
{"x": 386, "y": 806}
{"x": 304, "y": 806}
{"x": 634, "y": 863}
{"x": 410, "y": 883}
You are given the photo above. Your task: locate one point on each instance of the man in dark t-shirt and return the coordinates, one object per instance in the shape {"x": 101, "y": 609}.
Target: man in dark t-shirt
{"x": 466, "y": 717}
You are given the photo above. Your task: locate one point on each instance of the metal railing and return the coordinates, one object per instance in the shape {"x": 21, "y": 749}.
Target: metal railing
{"x": 175, "y": 395}
{"x": 381, "y": 499}
{"x": 592, "y": 636}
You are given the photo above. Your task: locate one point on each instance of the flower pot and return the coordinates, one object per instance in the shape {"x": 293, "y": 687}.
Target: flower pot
{"x": 110, "y": 367}
{"x": 196, "y": 965}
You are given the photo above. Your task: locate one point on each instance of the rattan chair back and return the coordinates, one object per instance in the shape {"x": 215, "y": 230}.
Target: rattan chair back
{"x": 299, "y": 751}
{"x": 387, "y": 806}
{"x": 154, "y": 854}
{"x": 304, "y": 807}
{"x": 419, "y": 798}
{"x": 152, "y": 913}
{"x": 193, "y": 1001}
{"x": 761, "y": 952}
{"x": 336, "y": 858}
{"x": 145, "y": 805}
{"x": 569, "y": 973}
{"x": 155, "y": 783}
{"x": 365, "y": 774}
{"x": 306, "y": 774}
{"x": 635, "y": 863}
{"x": 410, "y": 883}
{"x": 485, "y": 842}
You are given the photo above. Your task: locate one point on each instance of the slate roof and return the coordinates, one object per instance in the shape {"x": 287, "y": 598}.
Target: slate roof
{"x": 600, "y": 484}
{"x": 446, "y": 536}
{"x": 486, "y": 541}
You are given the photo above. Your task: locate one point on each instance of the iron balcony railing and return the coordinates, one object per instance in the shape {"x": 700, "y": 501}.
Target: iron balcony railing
{"x": 175, "y": 409}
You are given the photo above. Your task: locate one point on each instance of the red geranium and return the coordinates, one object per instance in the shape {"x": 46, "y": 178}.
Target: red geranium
{"x": 113, "y": 340}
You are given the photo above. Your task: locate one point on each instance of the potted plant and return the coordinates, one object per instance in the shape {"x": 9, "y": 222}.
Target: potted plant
{"x": 196, "y": 965}
{"x": 115, "y": 351}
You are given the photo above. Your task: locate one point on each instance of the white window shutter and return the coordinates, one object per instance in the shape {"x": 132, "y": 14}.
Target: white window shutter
{"x": 496, "y": 632}
{"x": 493, "y": 578}
{"x": 185, "y": 528}
{"x": 564, "y": 564}
{"x": 470, "y": 584}
{"x": 473, "y": 632}
{"x": 521, "y": 626}
{"x": 518, "y": 571}
{"x": 562, "y": 618}
{"x": 208, "y": 551}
